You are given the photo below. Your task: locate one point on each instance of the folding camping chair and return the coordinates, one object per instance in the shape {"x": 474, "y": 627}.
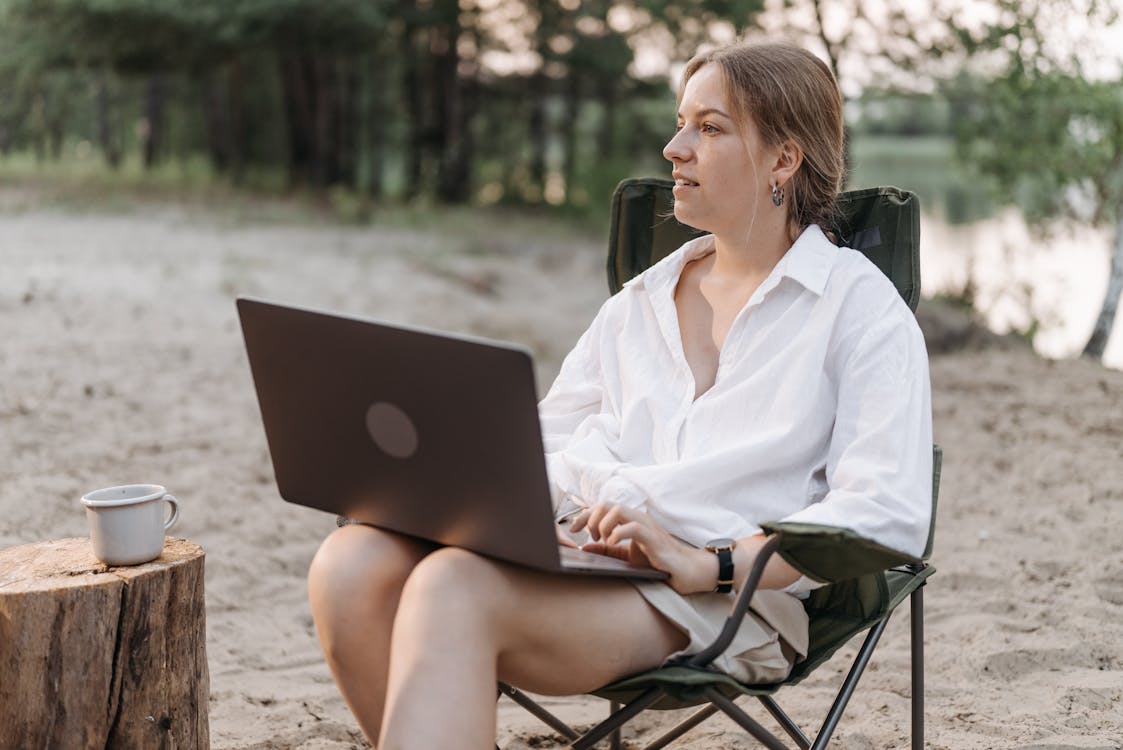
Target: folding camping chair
{"x": 867, "y": 581}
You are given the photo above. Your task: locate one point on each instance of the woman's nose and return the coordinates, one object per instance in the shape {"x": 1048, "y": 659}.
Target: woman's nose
{"x": 677, "y": 149}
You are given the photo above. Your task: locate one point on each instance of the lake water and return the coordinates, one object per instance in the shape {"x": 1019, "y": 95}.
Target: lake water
{"x": 1018, "y": 275}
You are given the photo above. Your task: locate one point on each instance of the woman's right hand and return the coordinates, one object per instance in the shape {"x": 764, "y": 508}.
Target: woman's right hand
{"x": 632, "y": 535}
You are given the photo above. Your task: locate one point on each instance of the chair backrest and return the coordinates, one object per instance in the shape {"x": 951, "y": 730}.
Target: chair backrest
{"x": 882, "y": 222}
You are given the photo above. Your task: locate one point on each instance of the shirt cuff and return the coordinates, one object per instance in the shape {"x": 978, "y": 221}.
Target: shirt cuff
{"x": 803, "y": 586}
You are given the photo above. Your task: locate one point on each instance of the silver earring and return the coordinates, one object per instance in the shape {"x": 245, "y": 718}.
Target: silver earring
{"x": 777, "y": 194}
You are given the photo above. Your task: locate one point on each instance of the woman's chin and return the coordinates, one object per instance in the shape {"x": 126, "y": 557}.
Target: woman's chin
{"x": 684, "y": 215}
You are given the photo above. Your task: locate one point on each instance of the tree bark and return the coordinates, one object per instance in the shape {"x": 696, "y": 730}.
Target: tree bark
{"x": 374, "y": 113}
{"x": 539, "y": 130}
{"x": 414, "y": 102}
{"x": 102, "y": 657}
{"x": 1101, "y": 332}
{"x": 216, "y": 117}
{"x": 155, "y": 97}
{"x": 569, "y": 132}
{"x": 107, "y": 134}
{"x": 606, "y": 144}
{"x": 454, "y": 164}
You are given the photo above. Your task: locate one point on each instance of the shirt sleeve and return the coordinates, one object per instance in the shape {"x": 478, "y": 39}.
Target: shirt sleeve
{"x": 575, "y": 398}
{"x": 879, "y": 465}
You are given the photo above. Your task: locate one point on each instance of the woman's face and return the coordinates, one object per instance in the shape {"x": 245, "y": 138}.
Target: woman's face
{"x": 720, "y": 166}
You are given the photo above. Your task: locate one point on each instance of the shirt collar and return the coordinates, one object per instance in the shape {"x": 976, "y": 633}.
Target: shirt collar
{"x": 808, "y": 262}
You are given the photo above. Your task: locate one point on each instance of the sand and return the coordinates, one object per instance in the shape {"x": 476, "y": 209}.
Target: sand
{"x": 122, "y": 362}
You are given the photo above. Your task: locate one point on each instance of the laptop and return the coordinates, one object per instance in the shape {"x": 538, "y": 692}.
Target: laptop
{"x": 423, "y": 433}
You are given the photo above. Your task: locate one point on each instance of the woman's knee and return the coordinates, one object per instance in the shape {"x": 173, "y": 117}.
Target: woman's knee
{"x": 455, "y": 582}
{"x": 358, "y": 566}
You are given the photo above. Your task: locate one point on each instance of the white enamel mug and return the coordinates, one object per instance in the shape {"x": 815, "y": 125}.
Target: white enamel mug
{"x": 127, "y": 523}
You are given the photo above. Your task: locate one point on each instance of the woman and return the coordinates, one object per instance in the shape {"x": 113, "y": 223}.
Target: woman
{"x": 758, "y": 373}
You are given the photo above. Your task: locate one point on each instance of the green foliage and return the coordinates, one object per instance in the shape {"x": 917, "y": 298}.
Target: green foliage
{"x": 1050, "y": 136}
{"x": 1053, "y": 141}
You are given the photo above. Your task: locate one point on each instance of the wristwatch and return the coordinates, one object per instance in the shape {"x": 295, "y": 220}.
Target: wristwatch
{"x": 723, "y": 548}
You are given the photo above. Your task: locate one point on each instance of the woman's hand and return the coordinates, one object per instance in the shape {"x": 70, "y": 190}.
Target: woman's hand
{"x": 563, "y": 538}
{"x": 632, "y": 535}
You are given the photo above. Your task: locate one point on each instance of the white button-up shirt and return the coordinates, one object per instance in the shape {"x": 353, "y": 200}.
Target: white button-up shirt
{"x": 820, "y": 412}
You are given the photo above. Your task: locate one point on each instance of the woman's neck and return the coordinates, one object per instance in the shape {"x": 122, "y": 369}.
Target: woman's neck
{"x": 753, "y": 255}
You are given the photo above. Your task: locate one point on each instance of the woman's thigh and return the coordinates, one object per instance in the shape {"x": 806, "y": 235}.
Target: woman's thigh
{"x": 554, "y": 633}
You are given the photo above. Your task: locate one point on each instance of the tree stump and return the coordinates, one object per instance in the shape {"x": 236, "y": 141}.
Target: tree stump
{"x": 102, "y": 657}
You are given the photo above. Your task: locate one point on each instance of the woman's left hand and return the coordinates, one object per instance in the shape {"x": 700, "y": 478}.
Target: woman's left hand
{"x": 613, "y": 526}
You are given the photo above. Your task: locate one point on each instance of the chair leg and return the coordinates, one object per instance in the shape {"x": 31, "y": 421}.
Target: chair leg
{"x": 916, "y": 616}
{"x": 614, "y": 738}
{"x": 848, "y": 685}
{"x": 733, "y": 711}
{"x": 785, "y": 721}
{"x": 617, "y": 719}
{"x": 548, "y": 718}
{"x": 682, "y": 728}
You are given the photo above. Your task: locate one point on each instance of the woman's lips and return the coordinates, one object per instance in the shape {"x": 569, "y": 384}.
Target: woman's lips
{"x": 683, "y": 185}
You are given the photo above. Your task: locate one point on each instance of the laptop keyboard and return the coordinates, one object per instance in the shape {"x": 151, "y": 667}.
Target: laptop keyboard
{"x": 578, "y": 558}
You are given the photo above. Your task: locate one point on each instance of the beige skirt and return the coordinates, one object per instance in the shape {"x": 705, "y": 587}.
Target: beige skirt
{"x": 772, "y": 637}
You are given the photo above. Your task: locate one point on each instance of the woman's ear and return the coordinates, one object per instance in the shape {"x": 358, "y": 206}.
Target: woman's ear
{"x": 788, "y": 160}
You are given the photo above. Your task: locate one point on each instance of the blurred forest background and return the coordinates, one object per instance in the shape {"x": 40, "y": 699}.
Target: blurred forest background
{"x": 977, "y": 105}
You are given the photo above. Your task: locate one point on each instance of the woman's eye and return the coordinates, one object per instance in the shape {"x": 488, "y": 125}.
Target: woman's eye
{"x": 708, "y": 128}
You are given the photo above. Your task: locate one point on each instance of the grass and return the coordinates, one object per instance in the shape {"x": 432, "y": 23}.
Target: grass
{"x": 85, "y": 184}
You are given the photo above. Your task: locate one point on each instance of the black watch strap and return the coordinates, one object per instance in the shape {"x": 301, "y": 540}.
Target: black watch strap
{"x": 724, "y": 570}
{"x": 723, "y": 548}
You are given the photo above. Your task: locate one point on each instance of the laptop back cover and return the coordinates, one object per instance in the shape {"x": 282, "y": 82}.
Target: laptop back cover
{"x": 426, "y": 434}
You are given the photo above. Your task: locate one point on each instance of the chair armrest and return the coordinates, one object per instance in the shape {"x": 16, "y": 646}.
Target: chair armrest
{"x": 831, "y": 553}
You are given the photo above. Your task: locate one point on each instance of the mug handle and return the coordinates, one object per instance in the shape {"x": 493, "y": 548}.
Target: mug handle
{"x": 175, "y": 510}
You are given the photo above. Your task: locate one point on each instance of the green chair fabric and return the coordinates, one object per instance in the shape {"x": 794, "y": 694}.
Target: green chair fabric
{"x": 867, "y": 580}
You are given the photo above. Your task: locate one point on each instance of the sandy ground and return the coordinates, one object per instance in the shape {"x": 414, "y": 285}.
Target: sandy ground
{"x": 122, "y": 362}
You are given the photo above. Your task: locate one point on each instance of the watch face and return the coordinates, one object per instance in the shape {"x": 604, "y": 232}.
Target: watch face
{"x": 723, "y": 543}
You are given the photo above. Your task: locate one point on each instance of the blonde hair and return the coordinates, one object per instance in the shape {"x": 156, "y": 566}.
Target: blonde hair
{"x": 789, "y": 94}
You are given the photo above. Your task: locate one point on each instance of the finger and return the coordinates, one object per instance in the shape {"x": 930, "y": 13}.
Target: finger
{"x": 565, "y": 541}
{"x": 579, "y": 521}
{"x": 596, "y": 519}
{"x": 600, "y": 548}
{"x": 615, "y": 516}
{"x": 632, "y": 530}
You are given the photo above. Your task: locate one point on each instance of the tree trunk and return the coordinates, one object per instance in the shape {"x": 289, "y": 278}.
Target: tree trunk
{"x": 454, "y": 164}
{"x": 414, "y": 106}
{"x": 217, "y": 121}
{"x": 107, "y": 133}
{"x": 323, "y": 98}
{"x": 569, "y": 133}
{"x": 299, "y": 114}
{"x": 102, "y": 657}
{"x": 236, "y": 135}
{"x": 1101, "y": 332}
{"x": 539, "y": 131}
{"x": 348, "y": 120}
{"x": 607, "y": 140}
{"x": 155, "y": 97}
{"x": 374, "y": 113}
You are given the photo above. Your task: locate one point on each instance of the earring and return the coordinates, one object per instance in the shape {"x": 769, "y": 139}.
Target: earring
{"x": 777, "y": 194}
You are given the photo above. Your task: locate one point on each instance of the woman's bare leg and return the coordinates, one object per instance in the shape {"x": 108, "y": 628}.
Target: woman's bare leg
{"x": 465, "y": 621}
{"x": 354, "y": 584}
